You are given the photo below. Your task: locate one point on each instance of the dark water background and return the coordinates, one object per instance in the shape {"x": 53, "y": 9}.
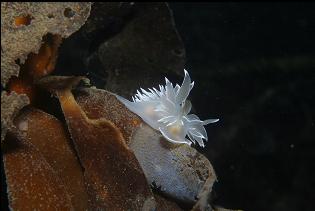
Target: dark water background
{"x": 254, "y": 68}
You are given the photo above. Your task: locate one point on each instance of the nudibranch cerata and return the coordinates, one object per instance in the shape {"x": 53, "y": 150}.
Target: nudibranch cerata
{"x": 167, "y": 110}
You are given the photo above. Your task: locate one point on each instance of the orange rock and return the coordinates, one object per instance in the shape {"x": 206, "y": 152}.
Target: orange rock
{"x": 35, "y": 67}
{"x": 23, "y": 20}
{"x": 22, "y": 86}
{"x": 43, "y": 63}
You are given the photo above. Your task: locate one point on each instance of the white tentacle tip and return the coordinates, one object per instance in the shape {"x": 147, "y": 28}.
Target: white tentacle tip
{"x": 167, "y": 110}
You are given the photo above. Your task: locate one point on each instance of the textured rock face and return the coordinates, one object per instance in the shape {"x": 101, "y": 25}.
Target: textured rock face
{"x": 24, "y": 24}
{"x": 24, "y": 29}
{"x": 10, "y": 106}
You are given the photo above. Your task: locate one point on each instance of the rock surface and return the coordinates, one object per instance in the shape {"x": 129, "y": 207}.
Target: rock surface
{"x": 18, "y": 40}
{"x": 10, "y": 106}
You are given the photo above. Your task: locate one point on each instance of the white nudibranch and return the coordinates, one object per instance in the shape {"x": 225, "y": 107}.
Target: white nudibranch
{"x": 167, "y": 110}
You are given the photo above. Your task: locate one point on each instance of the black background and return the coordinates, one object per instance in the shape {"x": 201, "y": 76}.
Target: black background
{"x": 253, "y": 65}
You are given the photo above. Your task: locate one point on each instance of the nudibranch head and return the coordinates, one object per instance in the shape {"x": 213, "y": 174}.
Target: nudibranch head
{"x": 167, "y": 110}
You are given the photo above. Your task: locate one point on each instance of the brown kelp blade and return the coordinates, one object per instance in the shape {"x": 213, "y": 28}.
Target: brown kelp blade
{"x": 165, "y": 204}
{"x": 97, "y": 103}
{"x": 49, "y": 136}
{"x": 115, "y": 180}
{"x": 32, "y": 184}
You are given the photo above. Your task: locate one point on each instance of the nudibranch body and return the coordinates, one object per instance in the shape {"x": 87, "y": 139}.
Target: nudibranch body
{"x": 167, "y": 110}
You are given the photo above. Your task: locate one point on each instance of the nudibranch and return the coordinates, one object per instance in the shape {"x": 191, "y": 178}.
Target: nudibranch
{"x": 167, "y": 110}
